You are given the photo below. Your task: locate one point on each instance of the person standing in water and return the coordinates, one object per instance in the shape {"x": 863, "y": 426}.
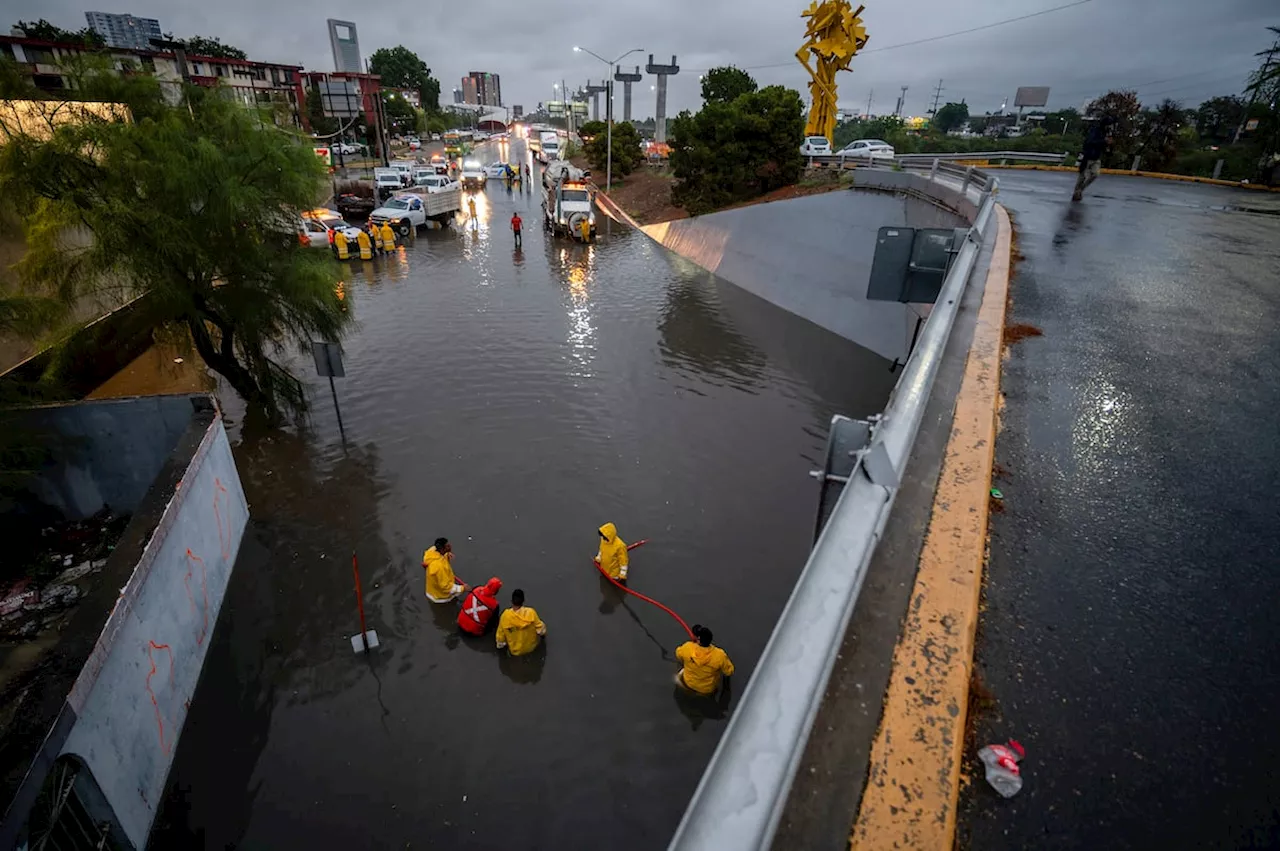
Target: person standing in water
{"x": 612, "y": 556}
{"x": 703, "y": 665}
{"x": 519, "y": 627}
{"x": 442, "y": 585}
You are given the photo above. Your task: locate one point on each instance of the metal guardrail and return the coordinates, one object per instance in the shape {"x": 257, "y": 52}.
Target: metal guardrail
{"x": 1014, "y": 156}
{"x": 743, "y": 792}
{"x": 904, "y": 159}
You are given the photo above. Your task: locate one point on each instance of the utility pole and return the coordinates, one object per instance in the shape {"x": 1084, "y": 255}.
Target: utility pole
{"x": 901, "y": 98}
{"x": 937, "y": 96}
{"x": 870, "y": 95}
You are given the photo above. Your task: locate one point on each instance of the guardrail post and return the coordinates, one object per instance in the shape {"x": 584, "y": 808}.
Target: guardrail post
{"x": 933, "y": 172}
{"x": 968, "y": 176}
{"x": 1217, "y": 169}
{"x": 1137, "y": 161}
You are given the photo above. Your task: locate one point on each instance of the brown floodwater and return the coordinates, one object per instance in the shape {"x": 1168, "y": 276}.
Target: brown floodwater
{"x": 512, "y": 401}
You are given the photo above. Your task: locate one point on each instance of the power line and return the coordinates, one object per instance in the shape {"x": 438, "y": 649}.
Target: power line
{"x": 976, "y": 29}
{"x": 922, "y": 40}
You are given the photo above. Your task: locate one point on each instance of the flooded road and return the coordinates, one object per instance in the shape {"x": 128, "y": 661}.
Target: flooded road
{"x": 512, "y": 401}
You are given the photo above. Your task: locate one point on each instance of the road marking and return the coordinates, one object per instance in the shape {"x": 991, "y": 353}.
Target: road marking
{"x": 913, "y": 784}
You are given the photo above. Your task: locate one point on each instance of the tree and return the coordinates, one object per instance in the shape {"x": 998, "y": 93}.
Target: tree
{"x": 730, "y": 152}
{"x": 400, "y": 68}
{"x": 951, "y": 116}
{"x": 46, "y": 31}
{"x": 192, "y": 207}
{"x": 590, "y": 129}
{"x": 726, "y": 84}
{"x": 1121, "y": 107}
{"x": 626, "y": 149}
{"x": 399, "y": 112}
{"x": 199, "y": 45}
{"x": 1160, "y": 134}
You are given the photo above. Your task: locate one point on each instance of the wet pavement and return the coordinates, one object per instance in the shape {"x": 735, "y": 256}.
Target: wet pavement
{"x": 512, "y": 401}
{"x": 1129, "y": 619}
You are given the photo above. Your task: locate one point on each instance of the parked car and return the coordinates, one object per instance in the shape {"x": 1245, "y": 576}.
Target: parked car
{"x": 356, "y": 206}
{"x": 344, "y": 148}
{"x": 867, "y": 149}
{"x": 321, "y": 224}
{"x": 498, "y": 170}
{"x": 313, "y": 233}
{"x": 815, "y": 146}
{"x": 435, "y": 137}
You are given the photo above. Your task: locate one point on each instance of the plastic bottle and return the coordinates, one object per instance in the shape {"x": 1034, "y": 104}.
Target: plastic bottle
{"x": 1002, "y": 767}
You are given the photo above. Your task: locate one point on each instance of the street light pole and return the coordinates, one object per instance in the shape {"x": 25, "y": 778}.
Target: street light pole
{"x": 608, "y": 110}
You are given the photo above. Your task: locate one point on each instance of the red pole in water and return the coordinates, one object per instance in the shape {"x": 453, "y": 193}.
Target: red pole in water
{"x": 364, "y": 633}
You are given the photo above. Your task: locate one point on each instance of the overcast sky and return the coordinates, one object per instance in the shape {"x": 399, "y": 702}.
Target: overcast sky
{"x": 1184, "y": 49}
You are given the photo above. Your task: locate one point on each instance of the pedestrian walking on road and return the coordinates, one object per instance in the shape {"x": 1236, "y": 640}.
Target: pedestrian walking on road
{"x": 471, "y": 205}
{"x": 517, "y": 224}
{"x": 1095, "y": 146}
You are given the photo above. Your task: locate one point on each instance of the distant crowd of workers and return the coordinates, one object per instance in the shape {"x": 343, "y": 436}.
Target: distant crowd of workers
{"x": 703, "y": 666}
{"x": 372, "y": 239}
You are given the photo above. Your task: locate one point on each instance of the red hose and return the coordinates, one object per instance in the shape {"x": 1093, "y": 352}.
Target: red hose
{"x": 649, "y": 600}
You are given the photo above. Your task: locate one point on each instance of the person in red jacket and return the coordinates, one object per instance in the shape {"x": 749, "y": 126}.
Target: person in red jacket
{"x": 479, "y": 607}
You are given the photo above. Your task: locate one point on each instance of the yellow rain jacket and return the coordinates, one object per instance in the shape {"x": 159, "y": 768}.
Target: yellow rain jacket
{"x": 388, "y": 238}
{"x": 613, "y": 552}
{"x": 518, "y": 630}
{"x": 703, "y": 666}
{"x": 442, "y": 587}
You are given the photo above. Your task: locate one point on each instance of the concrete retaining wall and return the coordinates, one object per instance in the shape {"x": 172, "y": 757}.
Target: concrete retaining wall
{"x": 113, "y": 693}
{"x": 107, "y": 452}
{"x": 812, "y": 256}
{"x": 131, "y": 698}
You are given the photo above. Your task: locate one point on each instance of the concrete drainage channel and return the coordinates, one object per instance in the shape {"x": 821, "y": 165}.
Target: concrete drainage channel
{"x": 744, "y": 791}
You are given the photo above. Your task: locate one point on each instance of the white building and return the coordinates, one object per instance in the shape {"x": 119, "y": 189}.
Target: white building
{"x": 124, "y": 31}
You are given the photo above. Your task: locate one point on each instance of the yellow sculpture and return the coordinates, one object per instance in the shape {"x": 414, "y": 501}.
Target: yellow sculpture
{"x": 835, "y": 33}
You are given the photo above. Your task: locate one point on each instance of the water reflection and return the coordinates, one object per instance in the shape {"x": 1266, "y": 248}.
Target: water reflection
{"x": 700, "y": 708}
{"x": 577, "y": 268}
{"x": 696, "y": 337}
{"x": 527, "y": 669}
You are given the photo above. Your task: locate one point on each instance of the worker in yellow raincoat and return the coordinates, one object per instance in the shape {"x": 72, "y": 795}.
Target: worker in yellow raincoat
{"x": 519, "y": 627}
{"x": 613, "y": 553}
{"x": 388, "y": 238}
{"x": 704, "y": 665}
{"x": 363, "y": 242}
{"x": 442, "y": 585}
{"x": 340, "y": 245}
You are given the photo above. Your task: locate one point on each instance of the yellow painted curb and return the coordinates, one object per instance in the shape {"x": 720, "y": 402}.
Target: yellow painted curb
{"x": 913, "y": 785}
{"x": 1155, "y": 175}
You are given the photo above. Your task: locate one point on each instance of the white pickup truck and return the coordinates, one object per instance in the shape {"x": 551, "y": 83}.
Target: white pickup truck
{"x": 410, "y": 210}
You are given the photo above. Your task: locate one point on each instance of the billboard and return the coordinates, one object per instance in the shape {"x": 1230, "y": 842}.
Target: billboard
{"x": 1031, "y": 96}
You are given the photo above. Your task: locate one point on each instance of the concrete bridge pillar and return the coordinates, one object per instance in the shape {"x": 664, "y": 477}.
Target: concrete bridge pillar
{"x": 626, "y": 80}
{"x": 660, "y": 110}
{"x": 594, "y": 92}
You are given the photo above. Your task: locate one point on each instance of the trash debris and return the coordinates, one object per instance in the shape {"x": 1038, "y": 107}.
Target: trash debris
{"x": 177, "y": 360}
{"x": 1002, "y": 767}
{"x": 995, "y": 494}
